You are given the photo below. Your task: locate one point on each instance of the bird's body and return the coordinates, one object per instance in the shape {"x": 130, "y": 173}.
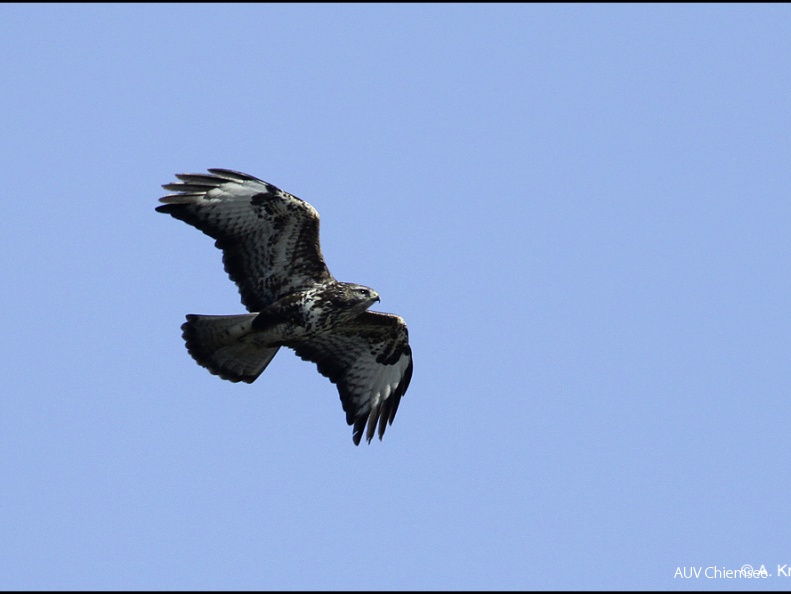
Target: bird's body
{"x": 270, "y": 244}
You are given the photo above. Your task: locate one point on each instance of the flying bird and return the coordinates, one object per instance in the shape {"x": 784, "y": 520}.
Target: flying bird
{"x": 270, "y": 244}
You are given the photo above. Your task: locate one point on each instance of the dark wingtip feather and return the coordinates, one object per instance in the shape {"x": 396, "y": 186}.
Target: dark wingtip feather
{"x": 185, "y": 187}
{"x": 231, "y": 175}
{"x": 357, "y": 433}
{"x": 373, "y": 417}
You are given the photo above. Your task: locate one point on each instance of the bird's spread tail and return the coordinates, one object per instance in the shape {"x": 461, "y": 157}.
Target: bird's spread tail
{"x": 225, "y": 346}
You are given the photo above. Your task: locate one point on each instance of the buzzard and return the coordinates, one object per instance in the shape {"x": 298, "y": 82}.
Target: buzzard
{"x": 270, "y": 244}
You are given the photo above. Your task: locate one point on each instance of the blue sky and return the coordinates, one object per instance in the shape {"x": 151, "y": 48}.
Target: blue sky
{"x": 582, "y": 212}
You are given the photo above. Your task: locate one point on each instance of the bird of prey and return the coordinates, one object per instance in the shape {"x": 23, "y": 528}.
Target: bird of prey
{"x": 270, "y": 244}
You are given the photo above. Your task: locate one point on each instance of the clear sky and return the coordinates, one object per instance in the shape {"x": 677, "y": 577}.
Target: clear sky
{"x": 582, "y": 212}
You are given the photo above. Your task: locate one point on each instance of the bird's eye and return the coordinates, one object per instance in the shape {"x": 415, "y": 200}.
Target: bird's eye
{"x": 362, "y": 291}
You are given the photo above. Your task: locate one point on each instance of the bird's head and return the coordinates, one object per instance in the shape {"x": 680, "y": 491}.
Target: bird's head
{"x": 358, "y": 297}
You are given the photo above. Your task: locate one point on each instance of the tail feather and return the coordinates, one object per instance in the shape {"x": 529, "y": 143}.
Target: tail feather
{"x": 224, "y": 346}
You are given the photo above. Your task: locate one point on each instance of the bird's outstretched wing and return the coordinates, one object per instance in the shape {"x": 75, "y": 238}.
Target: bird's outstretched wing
{"x": 370, "y": 361}
{"x": 269, "y": 238}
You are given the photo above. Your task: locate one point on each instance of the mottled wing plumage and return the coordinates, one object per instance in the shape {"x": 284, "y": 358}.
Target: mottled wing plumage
{"x": 370, "y": 361}
{"x": 269, "y": 238}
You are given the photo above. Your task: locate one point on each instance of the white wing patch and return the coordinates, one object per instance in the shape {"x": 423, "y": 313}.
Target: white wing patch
{"x": 376, "y": 382}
